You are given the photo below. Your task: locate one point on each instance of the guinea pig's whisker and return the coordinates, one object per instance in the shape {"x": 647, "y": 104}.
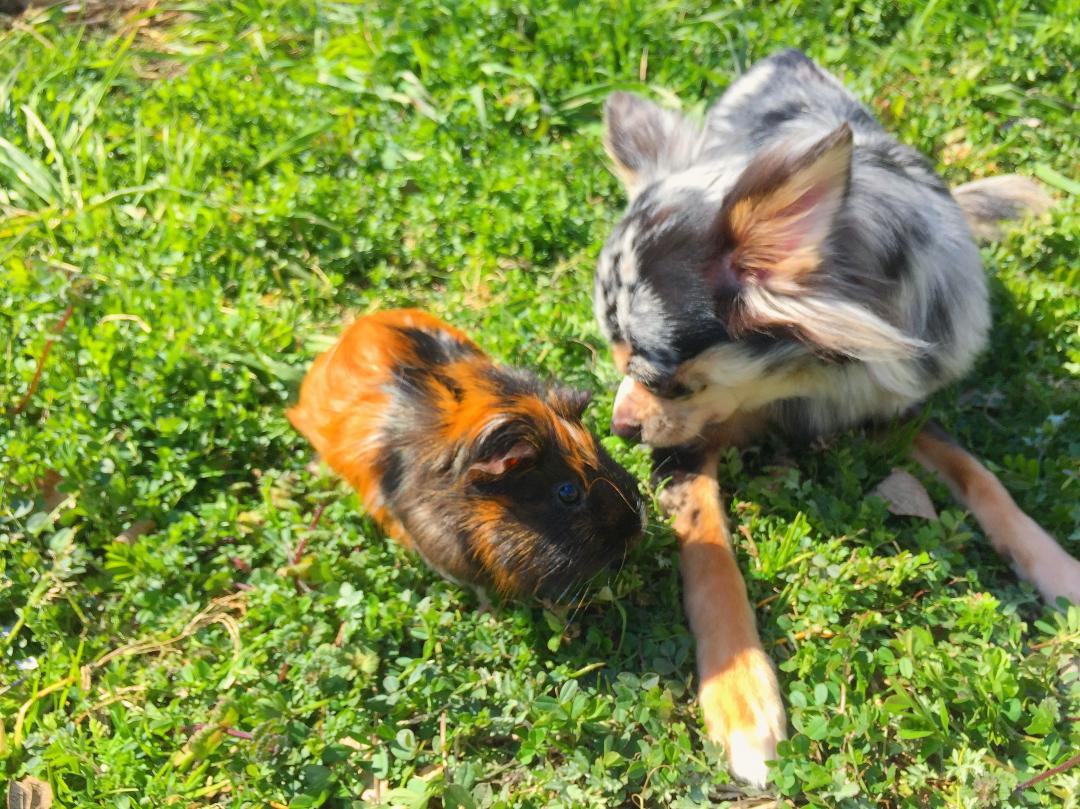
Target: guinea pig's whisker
{"x": 582, "y": 602}
{"x": 573, "y": 616}
{"x": 579, "y": 592}
{"x": 551, "y": 573}
{"x": 559, "y": 598}
{"x": 575, "y": 599}
{"x": 611, "y": 483}
{"x": 576, "y": 602}
{"x": 622, "y": 563}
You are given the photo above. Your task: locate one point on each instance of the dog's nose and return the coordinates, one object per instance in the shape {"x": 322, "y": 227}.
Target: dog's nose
{"x": 629, "y": 430}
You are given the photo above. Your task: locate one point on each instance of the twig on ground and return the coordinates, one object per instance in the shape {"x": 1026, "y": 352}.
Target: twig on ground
{"x": 1055, "y": 641}
{"x": 816, "y": 632}
{"x": 298, "y": 554}
{"x": 213, "y": 613}
{"x": 120, "y": 695}
{"x": 228, "y": 731}
{"x": 36, "y": 380}
{"x": 1072, "y": 762}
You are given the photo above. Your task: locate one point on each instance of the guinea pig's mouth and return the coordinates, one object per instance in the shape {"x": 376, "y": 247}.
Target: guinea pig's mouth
{"x": 573, "y": 586}
{"x": 607, "y": 558}
{"x": 629, "y": 536}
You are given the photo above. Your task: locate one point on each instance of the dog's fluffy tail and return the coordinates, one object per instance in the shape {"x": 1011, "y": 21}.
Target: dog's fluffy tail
{"x": 1034, "y": 554}
{"x": 989, "y": 202}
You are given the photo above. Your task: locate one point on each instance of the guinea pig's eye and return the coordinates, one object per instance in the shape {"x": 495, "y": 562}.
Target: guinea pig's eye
{"x": 568, "y": 493}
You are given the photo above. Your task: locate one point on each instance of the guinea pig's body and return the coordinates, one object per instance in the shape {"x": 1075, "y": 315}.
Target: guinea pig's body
{"x": 489, "y": 475}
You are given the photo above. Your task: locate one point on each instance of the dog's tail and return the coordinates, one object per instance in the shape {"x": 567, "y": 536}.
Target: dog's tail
{"x": 1036, "y": 556}
{"x": 989, "y": 202}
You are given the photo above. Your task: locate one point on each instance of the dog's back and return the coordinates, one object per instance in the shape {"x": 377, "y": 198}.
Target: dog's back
{"x": 900, "y": 246}
{"x": 897, "y": 294}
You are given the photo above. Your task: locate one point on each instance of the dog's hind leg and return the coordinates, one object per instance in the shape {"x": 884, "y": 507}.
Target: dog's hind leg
{"x": 738, "y": 692}
{"x": 1036, "y": 556}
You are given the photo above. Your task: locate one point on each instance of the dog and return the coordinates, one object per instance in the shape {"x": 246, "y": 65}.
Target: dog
{"x": 789, "y": 265}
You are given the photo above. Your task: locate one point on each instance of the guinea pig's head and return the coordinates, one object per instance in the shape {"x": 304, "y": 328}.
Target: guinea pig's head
{"x": 548, "y": 507}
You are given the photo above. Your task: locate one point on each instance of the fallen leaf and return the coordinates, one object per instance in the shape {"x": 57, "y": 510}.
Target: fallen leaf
{"x": 49, "y": 489}
{"x": 135, "y": 530}
{"x": 29, "y": 793}
{"x": 905, "y": 495}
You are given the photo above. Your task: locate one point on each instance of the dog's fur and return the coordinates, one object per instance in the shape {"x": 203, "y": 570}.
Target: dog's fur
{"x": 789, "y": 263}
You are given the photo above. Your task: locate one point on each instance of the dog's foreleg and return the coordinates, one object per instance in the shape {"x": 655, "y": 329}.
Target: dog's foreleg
{"x": 1036, "y": 556}
{"x": 739, "y": 694}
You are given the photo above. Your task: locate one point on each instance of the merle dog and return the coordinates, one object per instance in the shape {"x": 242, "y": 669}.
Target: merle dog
{"x": 789, "y": 265}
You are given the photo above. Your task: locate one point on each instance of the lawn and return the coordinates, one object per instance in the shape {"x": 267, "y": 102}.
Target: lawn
{"x": 195, "y": 196}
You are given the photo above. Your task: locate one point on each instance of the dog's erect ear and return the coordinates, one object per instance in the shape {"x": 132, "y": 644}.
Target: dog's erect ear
{"x": 771, "y": 234}
{"x": 776, "y": 218}
{"x": 646, "y": 141}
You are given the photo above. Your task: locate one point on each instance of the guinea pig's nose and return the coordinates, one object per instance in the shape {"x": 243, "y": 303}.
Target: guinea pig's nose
{"x": 629, "y": 430}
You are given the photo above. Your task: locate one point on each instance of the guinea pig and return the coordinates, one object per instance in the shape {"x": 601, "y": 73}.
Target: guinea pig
{"x": 483, "y": 470}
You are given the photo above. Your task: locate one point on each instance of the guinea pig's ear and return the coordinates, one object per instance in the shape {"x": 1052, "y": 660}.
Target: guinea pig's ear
{"x": 502, "y": 461}
{"x": 574, "y": 401}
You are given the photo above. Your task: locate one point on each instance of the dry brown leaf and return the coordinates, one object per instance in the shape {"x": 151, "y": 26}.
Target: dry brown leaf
{"x": 905, "y": 495}
{"x": 135, "y": 530}
{"x": 49, "y": 489}
{"x": 29, "y": 793}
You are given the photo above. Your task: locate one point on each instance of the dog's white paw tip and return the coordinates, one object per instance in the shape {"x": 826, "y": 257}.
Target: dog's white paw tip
{"x": 743, "y": 712}
{"x": 748, "y": 756}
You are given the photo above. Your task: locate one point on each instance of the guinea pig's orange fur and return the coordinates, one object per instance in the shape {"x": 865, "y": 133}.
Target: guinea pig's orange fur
{"x": 343, "y": 397}
{"x": 343, "y": 411}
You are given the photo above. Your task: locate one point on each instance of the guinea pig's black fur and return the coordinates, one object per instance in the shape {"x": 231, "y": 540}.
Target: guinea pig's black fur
{"x": 485, "y": 471}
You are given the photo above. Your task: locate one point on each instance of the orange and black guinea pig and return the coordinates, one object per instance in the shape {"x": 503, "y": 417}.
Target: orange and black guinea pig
{"x": 485, "y": 471}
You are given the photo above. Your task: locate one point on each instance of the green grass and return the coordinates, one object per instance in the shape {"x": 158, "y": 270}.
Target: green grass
{"x": 213, "y": 193}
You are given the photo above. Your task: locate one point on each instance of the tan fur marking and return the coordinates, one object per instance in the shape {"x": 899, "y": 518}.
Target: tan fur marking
{"x": 739, "y": 694}
{"x": 621, "y": 353}
{"x": 1035, "y": 555}
{"x": 783, "y": 209}
{"x": 489, "y": 522}
{"x": 765, "y": 241}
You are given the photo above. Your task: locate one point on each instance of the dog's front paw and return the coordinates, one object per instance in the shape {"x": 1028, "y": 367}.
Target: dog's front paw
{"x": 674, "y": 497}
{"x": 744, "y": 713}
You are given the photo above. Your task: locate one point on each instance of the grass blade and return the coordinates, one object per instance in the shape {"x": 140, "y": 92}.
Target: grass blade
{"x": 36, "y": 125}
{"x": 293, "y": 144}
{"x": 32, "y": 175}
{"x": 1058, "y": 181}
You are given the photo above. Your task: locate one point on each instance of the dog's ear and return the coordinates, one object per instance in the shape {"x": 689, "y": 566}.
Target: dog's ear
{"x": 770, "y": 237}
{"x": 646, "y": 141}
{"x": 776, "y": 218}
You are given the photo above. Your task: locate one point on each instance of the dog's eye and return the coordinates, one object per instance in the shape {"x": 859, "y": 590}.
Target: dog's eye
{"x": 668, "y": 389}
{"x": 568, "y": 493}
{"x": 656, "y": 388}
{"x": 679, "y": 391}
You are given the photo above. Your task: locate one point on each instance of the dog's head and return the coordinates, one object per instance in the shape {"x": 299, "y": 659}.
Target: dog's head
{"x": 713, "y": 279}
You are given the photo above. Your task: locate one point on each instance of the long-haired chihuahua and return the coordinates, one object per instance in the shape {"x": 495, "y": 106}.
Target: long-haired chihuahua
{"x": 788, "y": 264}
